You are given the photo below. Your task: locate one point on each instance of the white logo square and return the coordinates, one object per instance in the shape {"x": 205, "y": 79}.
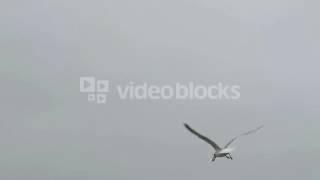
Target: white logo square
{"x": 101, "y": 98}
{"x": 102, "y": 86}
{"x": 91, "y": 97}
{"x": 87, "y": 84}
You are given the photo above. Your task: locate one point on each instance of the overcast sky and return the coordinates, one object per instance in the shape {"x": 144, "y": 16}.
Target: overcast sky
{"x": 49, "y": 130}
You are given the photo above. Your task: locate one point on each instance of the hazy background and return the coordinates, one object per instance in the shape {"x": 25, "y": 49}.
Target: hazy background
{"x": 50, "y": 131}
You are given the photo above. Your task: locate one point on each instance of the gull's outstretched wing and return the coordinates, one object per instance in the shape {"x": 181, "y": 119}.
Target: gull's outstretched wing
{"x": 209, "y": 141}
{"x": 243, "y": 134}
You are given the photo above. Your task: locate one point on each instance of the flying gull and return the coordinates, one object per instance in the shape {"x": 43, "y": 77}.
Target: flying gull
{"x": 226, "y": 150}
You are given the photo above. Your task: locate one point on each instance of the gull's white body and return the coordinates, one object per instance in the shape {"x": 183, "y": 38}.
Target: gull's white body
{"x": 225, "y": 151}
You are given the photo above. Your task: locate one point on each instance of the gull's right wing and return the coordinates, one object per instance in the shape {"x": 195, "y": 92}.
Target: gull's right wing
{"x": 243, "y": 134}
{"x": 209, "y": 141}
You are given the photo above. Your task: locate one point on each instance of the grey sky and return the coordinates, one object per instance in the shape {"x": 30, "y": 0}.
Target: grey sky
{"x": 49, "y": 130}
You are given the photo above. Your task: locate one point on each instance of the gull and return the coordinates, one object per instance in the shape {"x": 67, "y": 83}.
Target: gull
{"x": 220, "y": 152}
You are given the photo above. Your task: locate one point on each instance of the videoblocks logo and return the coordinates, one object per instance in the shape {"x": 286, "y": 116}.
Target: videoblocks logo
{"x": 178, "y": 91}
{"x": 97, "y": 91}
